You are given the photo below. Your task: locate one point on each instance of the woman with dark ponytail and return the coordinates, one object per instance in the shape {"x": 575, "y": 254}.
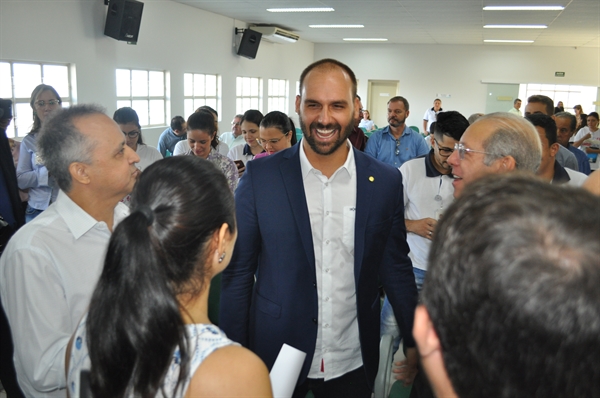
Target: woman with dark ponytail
{"x": 147, "y": 332}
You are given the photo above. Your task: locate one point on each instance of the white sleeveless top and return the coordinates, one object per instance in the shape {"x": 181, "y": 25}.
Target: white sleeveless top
{"x": 203, "y": 340}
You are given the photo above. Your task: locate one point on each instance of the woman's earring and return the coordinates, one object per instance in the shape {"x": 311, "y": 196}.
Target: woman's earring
{"x": 222, "y": 257}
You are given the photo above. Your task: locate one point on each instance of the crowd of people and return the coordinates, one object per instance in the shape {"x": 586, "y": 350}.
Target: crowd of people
{"x": 476, "y": 247}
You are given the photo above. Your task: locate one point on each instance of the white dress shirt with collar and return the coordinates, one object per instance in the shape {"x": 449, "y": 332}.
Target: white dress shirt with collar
{"x": 47, "y": 276}
{"x": 331, "y": 206}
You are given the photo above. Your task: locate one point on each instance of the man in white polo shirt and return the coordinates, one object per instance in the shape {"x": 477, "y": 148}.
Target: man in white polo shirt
{"x": 431, "y": 115}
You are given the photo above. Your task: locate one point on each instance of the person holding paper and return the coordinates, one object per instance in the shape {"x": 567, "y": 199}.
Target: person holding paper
{"x": 329, "y": 227}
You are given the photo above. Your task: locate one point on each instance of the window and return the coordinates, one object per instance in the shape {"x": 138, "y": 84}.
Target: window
{"x": 569, "y": 95}
{"x": 278, "y": 95}
{"x": 248, "y": 94}
{"x": 199, "y": 90}
{"x": 144, "y": 91}
{"x": 17, "y": 81}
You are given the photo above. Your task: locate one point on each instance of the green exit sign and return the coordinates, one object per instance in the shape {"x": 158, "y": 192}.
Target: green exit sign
{"x": 559, "y": 74}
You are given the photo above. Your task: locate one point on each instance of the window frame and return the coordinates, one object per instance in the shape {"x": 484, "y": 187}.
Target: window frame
{"x": 239, "y": 99}
{"x": 202, "y": 99}
{"x": 148, "y": 98}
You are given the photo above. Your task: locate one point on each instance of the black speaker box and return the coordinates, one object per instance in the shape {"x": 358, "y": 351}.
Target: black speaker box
{"x": 123, "y": 20}
{"x": 249, "y": 44}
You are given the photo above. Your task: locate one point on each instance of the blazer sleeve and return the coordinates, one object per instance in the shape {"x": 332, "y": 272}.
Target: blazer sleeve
{"x": 397, "y": 274}
{"x": 238, "y": 277}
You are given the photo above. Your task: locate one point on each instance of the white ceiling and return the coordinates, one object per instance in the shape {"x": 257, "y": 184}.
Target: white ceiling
{"x": 423, "y": 21}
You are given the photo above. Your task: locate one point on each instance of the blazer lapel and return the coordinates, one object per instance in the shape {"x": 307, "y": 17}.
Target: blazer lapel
{"x": 291, "y": 175}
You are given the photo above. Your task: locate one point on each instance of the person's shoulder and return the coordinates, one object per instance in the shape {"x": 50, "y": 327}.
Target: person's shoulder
{"x": 231, "y": 371}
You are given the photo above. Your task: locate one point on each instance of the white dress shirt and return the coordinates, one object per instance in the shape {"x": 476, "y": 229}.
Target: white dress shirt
{"x": 332, "y": 208}
{"x": 47, "y": 275}
{"x": 231, "y": 140}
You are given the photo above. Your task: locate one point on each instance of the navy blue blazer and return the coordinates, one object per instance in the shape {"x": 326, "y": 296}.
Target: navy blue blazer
{"x": 275, "y": 244}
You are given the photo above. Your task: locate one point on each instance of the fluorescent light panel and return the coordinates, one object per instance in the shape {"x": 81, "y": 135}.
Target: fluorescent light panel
{"x": 336, "y": 26}
{"x": 523, "y": 8}
{"x": 322, "y": 9}
{"x": 515, "y": 26}
{"x": 364, "y": 39}
{"x": 508, "y": 41}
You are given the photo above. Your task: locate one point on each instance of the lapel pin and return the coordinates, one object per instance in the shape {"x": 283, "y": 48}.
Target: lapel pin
{"x": 371, "y": 178}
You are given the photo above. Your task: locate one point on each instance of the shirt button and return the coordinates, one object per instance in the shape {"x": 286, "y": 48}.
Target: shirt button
{"x": 314, "y": 285}
{"x": 326, "y": 213}
{"x": 315, "y": 320}
{"x": 326, "y": 298}
{"x": 327, "y": 241}
{"x": 327, "y": 270}
{"x": 326, "y": 184}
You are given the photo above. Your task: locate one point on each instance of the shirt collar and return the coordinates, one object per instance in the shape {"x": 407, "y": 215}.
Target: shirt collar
{"x": 349, "y": 165}
{"x": 78, "y": 220}
{"x": 387, "y": 130}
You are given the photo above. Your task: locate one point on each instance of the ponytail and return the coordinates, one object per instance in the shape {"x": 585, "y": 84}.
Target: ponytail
{"x": 134, "y": 323}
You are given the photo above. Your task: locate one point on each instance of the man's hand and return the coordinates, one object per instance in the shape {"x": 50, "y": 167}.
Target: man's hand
{"x": 423, "y": 227}
{"x": 406, "y": 370}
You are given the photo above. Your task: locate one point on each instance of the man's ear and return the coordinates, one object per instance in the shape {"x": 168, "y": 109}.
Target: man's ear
{"x": 506, "y": 164}
{"x": 554, "y": 149}
{"x": 79, "y": 172}
{"x": 298, "y": 104}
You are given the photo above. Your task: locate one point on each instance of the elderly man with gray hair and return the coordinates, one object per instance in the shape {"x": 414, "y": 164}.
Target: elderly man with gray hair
{"x": 50, "y": 266}
{"x": 496, "y": 143}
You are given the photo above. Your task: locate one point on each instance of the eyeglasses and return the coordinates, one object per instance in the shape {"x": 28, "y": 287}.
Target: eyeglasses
{"x": 272, "y": 141}
{"x": 444, "y": 151}
{"x": 462, "y": 150}
{"x": 42, "y": 103}
{"x": 132, "y": 134}
{"x": 397, "y": 147}
{"x": 235, "y": 124}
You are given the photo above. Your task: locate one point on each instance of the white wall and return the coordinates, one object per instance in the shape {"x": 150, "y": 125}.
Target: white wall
{"x": 426, "y": 70}
{"x": 173, "y": 37}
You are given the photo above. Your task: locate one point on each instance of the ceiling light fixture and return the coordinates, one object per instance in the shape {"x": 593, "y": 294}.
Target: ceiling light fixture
{"x": 364, "y": 39}
{"x": 515, "y": 26}
{"x": 508, "y": 41}
{"x": 335, "y": 26}
{"x": 322, "y": 9}
{"x": 523, "y": 8}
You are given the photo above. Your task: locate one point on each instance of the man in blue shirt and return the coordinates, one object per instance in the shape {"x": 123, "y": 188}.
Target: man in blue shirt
{"x": 396, "y": 143}
{"x": 172, "y": 135}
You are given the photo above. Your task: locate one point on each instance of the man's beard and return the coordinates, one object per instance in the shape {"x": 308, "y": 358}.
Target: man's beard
{"x": 397, "y": 121}
{"x": 325, "y": 150}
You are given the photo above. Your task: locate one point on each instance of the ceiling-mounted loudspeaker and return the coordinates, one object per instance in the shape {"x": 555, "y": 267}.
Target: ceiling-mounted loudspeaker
{"x": 249, "y": 44}
{"x": 123, "y": 20}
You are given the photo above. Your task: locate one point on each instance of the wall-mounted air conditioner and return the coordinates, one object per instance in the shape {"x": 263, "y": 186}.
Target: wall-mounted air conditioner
{"x": 275, "y": 34}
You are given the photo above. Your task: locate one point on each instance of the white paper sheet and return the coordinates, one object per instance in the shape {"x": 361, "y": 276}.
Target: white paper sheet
{"x": 285, "y": 371}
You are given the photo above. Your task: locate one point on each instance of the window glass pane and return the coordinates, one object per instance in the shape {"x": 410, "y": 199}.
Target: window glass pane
{"x": 5, "y": 80}
{"x": 141, "y": 107}
{"x": 212, "y": 102}
{"x": 246, "y": 86}
{"x": 123, "y": 104}
{"x": 254, "y": 86}
{"x": 270, "y": 86}
{"x": 123, "y": 83}
{"x": 26, "y": 78}
{"x": 254, "y": 103}
{"x": 66, "y": 104}
{"x": 157, "y": 84}
{"x": 211, "y": 85}
{"x": 198, "y": 102}
{"x": 139, "y": 83}
{"x": 188, "y": 108}
{"x": 246, "y": 105}
{"x": 157, "y": 112}
{"x": 198, "y": 85}
{"x": 10, "y": 130}
{"x": 23, "y": 118}
{"x": 58, "y": 77}
{"x": 187, "y": 85}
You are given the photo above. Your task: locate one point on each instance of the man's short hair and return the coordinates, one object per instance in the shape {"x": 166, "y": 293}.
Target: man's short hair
{"x": 474, "y": 117}
{"x": 450, "y": 123}
{"x": 329, "y": 63}
{"x": 177, "y": 123}
{"x": 547, "y": 101}
{"x": 61, "y": 143}
{"x": 513, "y": 136}
{"x": 399, "y": 99}
{"x": 571, "y": 117}
{"x": 517, "y": 100}
{"x": 512, "y": 289}
{"x": 547, "y": 123}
